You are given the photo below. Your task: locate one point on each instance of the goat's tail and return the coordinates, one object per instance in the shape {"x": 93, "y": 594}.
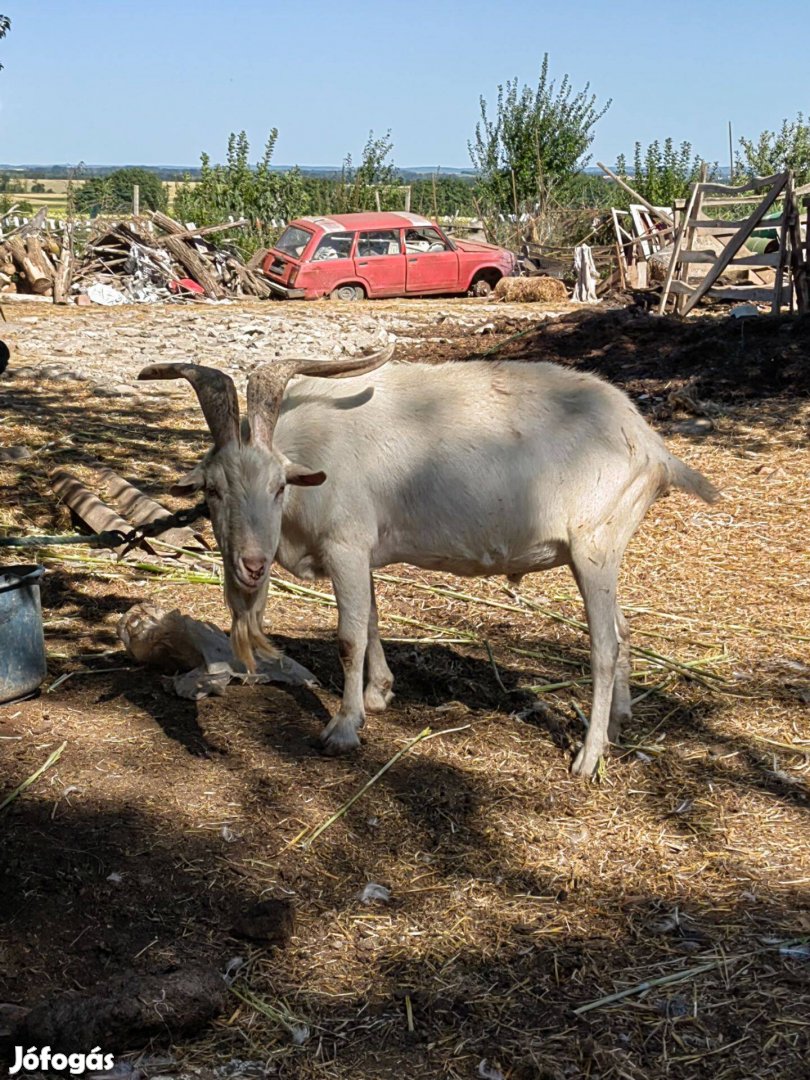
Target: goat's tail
{"x": 680, "y": 476}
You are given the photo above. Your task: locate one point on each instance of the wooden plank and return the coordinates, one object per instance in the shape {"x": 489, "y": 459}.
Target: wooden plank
{"x": 783, "y": 243}
{"x": 680, "y": 288}
{"x": 676, "y": 249}
{"x": 769, "y": 259}
{"x": 735, "y": 244}
{"x": 682, "y": 273}
{"x": 716, "y": 227}
{"x": 760, "y": 183}
{"x": 742, "y": 292}
{"x": 209, "y": 230}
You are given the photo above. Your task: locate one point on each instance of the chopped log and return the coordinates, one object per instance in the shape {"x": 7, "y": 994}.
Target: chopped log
{"x": 37, "y": 278}
{"x": 257, "y": 258}
{"x": 32, "y": 226}
{"x": 89, "y": 508}
{"x": 195, "y": 265}
{"x": 166, "y": 223}
{"x": 36, "y": 252}
{"x": 64, "y": 271}
{"x": 250, "y": 281}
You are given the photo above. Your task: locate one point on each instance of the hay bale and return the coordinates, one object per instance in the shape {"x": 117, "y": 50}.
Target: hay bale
{"x": 531, "y": 290}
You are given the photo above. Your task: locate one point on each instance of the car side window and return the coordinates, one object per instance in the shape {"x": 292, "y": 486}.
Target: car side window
{"x": 380, "y": 242}
{"x": 419, "y": 241}
{"x": 336, "y": 245}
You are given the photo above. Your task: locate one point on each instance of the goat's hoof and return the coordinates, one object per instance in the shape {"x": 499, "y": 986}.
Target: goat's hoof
{"x": 585, "y": 763}
{"x": 615, "y": 725}
{"x": 342, "y": 738}
{"x": 377, "y": 700}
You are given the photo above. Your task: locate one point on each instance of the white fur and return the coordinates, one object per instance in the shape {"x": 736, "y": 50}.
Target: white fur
{"x": 474, "y": 468}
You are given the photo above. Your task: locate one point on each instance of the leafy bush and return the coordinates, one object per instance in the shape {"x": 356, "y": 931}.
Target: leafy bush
{"x": 236, "y": 189}
{"x": 772, "y": 152}
{"x": 443, "y": 196}
{"x": 660, "y": 173}
{"x": 113, "y": 194}
{"x": 537, "y": 140}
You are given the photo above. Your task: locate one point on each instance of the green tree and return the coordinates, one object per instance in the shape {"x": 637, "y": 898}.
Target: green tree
{"x": 775, "y": 151}
{"x": 443, "y": 195}
{"x": 113, "y": 194}
{"x": 661, "y": 173}
{"x": 538, "y": 139}
{"x": 5, "y": 26}
{"x": 357, "y": 187}
{"x": 266, "y": 197}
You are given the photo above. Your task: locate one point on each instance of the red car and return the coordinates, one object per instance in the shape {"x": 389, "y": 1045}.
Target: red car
{"x": 352, "y": 256}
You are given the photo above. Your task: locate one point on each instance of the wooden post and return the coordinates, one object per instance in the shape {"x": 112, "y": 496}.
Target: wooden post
{"x": 136, "y": 200}
{"x": 676, "y": 250}
{"x": 691, "y": 232}
{"x": 778, "y": 285}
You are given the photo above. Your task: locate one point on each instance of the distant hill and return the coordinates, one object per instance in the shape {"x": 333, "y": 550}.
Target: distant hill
{"x": 177, "y": 172}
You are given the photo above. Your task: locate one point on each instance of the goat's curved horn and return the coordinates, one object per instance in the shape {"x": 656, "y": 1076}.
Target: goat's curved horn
{"x": 266, "y": 385}
{"x": 215, "y": 390}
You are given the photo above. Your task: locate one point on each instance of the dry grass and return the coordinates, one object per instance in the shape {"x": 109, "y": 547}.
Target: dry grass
{"x": 530, "y": 290}
{"x": 677, "y": 885}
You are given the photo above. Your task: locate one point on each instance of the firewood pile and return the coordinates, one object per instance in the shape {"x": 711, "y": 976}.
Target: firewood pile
{"x": 132, "y": 260}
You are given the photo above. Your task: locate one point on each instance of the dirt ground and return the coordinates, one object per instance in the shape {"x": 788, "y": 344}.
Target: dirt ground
{"x": 680, "y": 880}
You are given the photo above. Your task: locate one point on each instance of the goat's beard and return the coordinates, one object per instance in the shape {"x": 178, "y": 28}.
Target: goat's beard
{"x": 248, "y": 639}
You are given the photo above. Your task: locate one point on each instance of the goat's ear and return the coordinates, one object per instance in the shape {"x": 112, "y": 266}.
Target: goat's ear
{"x": 189, "y": 483}
{"x": 297, "y": 474}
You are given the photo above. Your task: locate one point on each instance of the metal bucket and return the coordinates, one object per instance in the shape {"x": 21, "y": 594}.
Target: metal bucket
{"x": 22, "y": 642}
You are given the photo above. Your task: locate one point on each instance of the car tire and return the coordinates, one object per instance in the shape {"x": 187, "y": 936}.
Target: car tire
{"x": 347, "y": 292}
{"x": 481, "y": 288}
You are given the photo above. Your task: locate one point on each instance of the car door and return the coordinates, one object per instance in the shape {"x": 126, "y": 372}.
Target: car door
{"x": 431, "y": 263}
{"x": 379, "y": 262}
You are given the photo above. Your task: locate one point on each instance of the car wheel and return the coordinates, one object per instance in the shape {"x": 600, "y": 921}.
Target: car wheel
{"x": 481, "y": 288}
{"x": 347, "y": 292}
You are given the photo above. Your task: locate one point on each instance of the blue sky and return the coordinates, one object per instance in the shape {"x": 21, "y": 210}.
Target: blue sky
{"x": 157, "y": 81}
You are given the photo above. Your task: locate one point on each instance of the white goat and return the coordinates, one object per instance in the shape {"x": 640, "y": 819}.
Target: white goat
{"x": 476, "y": 468}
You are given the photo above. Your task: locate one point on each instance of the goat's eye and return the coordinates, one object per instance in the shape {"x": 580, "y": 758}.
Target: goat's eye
{"x": 211, "y": 493}
{"x": 280, "y": 491}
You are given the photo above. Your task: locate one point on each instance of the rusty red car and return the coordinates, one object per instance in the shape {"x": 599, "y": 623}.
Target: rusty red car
{"x": 354, "y": 256}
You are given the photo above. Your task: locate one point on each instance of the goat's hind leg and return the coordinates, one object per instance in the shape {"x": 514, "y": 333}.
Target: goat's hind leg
{"x": 379, "y": 680}
{"x": 350, "y": 579}
{"x": 621, "y": 707}
{"x": 597, "y": 583}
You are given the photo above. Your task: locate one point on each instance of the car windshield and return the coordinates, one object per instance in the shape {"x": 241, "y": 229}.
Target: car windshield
{"x": 293, "y": 241}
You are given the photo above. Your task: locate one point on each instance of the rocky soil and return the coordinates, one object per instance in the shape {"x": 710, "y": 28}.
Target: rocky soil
{"x": 110, "y": 345}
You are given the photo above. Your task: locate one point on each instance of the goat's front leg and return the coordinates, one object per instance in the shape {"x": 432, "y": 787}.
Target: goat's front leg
{"x": 379, "y": 680}
{"x": 351, "y": 581}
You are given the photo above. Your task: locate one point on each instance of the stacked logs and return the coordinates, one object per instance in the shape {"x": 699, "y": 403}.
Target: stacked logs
{"x": 143, "y": 258}
{"x": 35, "y": 261}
